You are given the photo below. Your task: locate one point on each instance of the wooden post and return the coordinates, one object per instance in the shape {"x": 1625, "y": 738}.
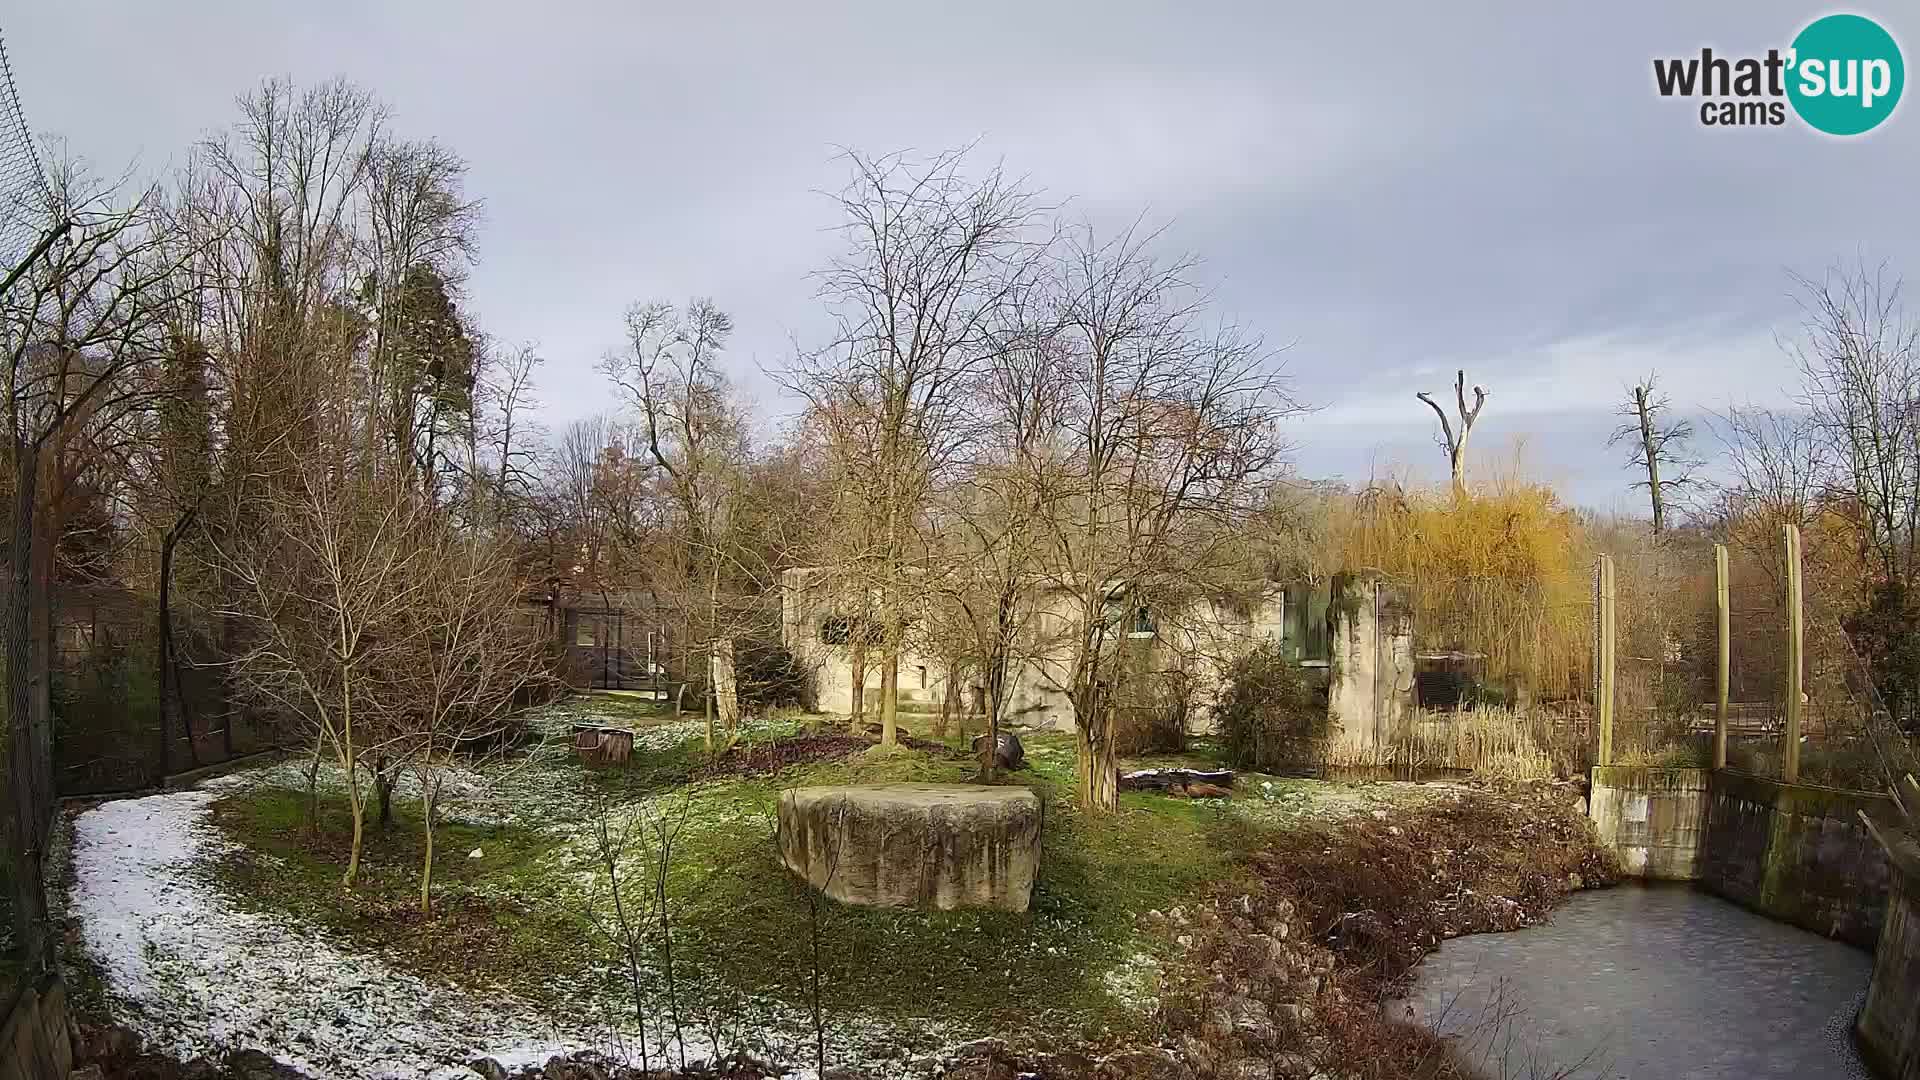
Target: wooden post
{"x": 1796, "y": 643}
{"x": 1724, "y": 609}
{"x": 1604, "y": 649}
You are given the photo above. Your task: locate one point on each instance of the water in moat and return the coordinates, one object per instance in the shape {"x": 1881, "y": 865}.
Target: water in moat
{"x": 1645, "y": 982}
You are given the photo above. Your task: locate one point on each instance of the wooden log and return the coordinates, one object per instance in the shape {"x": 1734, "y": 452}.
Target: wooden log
{"x": 1220, "y": 781}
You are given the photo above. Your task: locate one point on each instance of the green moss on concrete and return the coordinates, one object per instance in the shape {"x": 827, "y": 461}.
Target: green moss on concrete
{"x": 1649, "y": 779}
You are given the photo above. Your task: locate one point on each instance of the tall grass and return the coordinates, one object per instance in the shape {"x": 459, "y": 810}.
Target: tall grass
{"x": 1494, "y": 742}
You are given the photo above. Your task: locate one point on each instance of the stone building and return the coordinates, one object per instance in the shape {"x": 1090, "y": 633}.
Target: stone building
{"x": 1198, "y": 641}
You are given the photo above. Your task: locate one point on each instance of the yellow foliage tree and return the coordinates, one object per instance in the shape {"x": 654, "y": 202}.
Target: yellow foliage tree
{"x": 1501, "y": 574}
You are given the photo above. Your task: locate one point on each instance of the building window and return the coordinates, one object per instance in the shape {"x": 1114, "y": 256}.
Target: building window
{"x": 839, "y": 630}
{"x": 1141, "y": 625}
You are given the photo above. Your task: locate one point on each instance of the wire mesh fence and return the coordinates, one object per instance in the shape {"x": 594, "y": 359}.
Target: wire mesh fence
{"x": 1664, "y": 700}
{"x": 109, "y": 733}
{"x": 24, "y": 197}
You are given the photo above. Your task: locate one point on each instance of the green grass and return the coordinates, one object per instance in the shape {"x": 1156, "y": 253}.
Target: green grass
{"x": 488, "y": 926}
{"x": 746, "y": 919}
{"x": 518, "y": 916}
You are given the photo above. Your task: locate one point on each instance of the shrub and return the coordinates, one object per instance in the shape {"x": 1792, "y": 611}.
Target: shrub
{"x": 1269, "y": 714}
{"x": 1153, "y": 715}
{"x": 770, "y": 677}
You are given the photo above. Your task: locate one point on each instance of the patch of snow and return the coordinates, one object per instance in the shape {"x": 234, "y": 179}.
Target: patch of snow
{"x": 1134, "y": 982}
{"x": 193, "y": 974}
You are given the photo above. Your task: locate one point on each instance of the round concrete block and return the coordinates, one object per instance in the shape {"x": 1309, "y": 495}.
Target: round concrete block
{"x": 914, "y": 845}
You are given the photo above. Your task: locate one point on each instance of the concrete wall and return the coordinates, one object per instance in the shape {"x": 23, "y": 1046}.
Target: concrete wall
{"x": 1889, "y": 1023}
{"x": 1655, "y": 820}
{"x": 1202, "y": 639}
{"x": 34, "y": 1044}
{"x": 1793, "y": 852}
{"x": 1798, "y": 853}
{"x": 1370, "y": 692}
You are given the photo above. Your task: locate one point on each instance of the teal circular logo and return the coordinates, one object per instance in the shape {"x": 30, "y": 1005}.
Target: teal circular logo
{"x": 1846, "y": 74}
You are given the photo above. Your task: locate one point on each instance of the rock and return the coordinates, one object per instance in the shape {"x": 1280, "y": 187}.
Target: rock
{"x": 981, "y": 1059}
{"x": 109, "y": 1044}
{"x": 1292, "y": 1015}
{"x": 1142, "y": 1063}
{"x": 1244, "y": 1017}
{"x": 1064, "y": 1065}
{"x": 1293, "y": 1066}
{"x": 842, "y": 1072}
{"x": 200, "y": 1069}
{"x": 256, "y": 1065}
{"x": 1246, "y": 1069}
{"x": 488, "y": 1068}
{"x": 1199, "y": 1054}
{"x": 914, "y": 845}
{"x": 1007, "y": 751}
{"x": 87, "y": 1072}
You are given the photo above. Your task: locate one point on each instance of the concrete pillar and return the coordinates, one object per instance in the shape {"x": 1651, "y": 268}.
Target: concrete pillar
{"x": 1370, "y": 692}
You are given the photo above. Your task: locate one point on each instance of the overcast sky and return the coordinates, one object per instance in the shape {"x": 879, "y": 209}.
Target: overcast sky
{"x": 1394, "y": 191}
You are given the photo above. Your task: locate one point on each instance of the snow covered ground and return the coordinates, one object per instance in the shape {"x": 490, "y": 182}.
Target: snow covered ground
{"x": 195, "y": 974}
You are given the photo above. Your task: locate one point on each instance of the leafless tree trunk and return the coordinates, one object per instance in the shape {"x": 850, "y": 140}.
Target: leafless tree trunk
{"x": 929, "y": 256}
{"x": 1455, "y": 442}
{"x": 79, "y": 322}
{"x": 1172, "y": 425}
{"x": 1659, "y": 447}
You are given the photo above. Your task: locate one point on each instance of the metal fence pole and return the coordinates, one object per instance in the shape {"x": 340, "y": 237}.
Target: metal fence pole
{"x": 1604, "y": 668}
{"x": 1724, "y": 611}
{"x": 1796, "y": 642}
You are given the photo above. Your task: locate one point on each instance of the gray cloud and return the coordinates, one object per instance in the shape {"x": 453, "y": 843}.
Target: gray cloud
{"x": 1393, "y": 192}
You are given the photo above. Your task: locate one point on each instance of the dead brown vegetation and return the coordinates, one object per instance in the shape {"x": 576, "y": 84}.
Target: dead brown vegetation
{"x": 1295, "y": 969}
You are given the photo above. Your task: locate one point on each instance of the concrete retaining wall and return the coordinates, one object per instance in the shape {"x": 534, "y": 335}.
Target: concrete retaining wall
{"x": 1798, "y": 853}
{"x": 1793, "y": 852}
{"x": 1889, "y": 1024}
{"x": 34, "y": 1044}
{"x": 1655, "y": 820}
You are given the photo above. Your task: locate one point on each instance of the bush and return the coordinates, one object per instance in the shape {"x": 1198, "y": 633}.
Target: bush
{"x": 1152, "y": 719}
{"x": 770, "y": 677}
{"x": 1269, "y": 714}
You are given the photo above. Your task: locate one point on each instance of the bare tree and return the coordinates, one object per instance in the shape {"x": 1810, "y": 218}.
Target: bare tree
{"x": 627, "y": 930}
{"x": 80, "y": 323}
{"x": 1659, "y": 444}
{"x": 695, "y": 435}
{"x": 996, "y": 516}
{"x": 502, "y": 480}
{"x": 930, "y": 255}
{"x": 456, "y": 689}
{"x": 1455, "y": 442}
{"x": 1859, "y": 357}
{"x": 1169, "y": 430}
{"x": 323, "y": 586}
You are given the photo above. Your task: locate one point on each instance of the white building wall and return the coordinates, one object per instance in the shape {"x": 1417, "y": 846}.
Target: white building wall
{"x": 1203, "y": 639}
